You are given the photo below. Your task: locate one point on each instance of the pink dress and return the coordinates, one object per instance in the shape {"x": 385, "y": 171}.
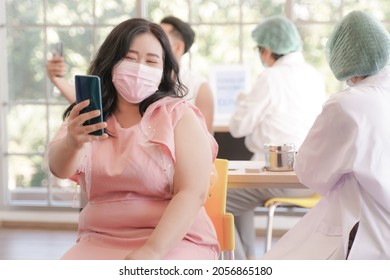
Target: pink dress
{"x": 128, "y": 180}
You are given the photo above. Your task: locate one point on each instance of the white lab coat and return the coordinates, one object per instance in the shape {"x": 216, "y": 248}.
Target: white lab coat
{"x": 281, "y": 107}
{"x": 346, "y": 159}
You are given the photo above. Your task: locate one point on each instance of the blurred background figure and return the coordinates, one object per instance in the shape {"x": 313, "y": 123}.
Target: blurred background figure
{"x": 346, "y": 157}
{"x": 280, "y": 109}
{"x": 181, "y": 36}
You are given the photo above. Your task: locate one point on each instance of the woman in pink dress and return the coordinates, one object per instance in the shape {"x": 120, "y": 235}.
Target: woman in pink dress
{"x": 147, "y": 177}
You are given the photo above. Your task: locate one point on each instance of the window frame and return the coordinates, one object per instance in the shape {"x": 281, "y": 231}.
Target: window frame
{"x": 141, "y": 11}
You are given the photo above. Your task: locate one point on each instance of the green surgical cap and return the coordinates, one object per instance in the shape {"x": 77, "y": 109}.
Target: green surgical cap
{"x": 358, "y": 46}
{"x": 278, "y": 34}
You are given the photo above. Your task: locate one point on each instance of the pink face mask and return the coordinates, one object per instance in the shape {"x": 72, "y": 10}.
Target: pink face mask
{"x": 135, "y": 82}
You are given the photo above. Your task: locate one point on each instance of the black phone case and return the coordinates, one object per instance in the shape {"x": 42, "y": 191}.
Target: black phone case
{"x": 89, "y": 87}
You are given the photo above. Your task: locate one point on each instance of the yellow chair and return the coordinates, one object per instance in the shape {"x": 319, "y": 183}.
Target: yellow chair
{"x": 216, "y": 209}
{"x": 273, "y": 203}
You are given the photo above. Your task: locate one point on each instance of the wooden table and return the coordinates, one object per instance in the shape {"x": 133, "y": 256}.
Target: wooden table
{"x": 250, "y": 174}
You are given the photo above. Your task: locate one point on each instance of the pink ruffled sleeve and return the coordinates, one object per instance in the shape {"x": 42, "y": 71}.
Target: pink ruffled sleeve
{"x": 158, "y": 124}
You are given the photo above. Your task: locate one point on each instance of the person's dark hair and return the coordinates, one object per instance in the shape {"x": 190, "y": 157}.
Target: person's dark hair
{"x": 115, "y": 49}
{"x": 181, "y": 30}
{"x": 274, "y": 55}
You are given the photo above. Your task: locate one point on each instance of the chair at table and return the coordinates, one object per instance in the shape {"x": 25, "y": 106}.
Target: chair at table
{"x": 272, "y": 203}
{"x": 216, "y": 209}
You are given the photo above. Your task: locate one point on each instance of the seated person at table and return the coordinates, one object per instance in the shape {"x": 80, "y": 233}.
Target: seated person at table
{"x": 280, "y": 109}
{"x": 182, "y": 36}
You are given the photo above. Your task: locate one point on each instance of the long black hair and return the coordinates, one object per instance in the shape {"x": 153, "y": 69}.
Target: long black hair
{"x": 116, "y": 47}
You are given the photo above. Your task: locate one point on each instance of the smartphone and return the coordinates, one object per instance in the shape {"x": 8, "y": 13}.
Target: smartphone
{"x": 89, "y": 87}
{"x": 58, "y": 48}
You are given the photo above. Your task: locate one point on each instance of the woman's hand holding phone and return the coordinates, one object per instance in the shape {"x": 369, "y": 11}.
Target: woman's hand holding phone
{"x": 79, "y": 134}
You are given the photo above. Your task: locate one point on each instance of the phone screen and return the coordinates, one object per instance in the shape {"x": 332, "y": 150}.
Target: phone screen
{"x": 89, "y": 87}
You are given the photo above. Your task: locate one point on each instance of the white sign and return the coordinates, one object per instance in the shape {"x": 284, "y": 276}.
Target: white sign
{"x": 227, "y": 81}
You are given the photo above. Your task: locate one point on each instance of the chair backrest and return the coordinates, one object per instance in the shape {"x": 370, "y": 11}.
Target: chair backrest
{"x": 216, "y": 207}
{"x": 305, "y": 202}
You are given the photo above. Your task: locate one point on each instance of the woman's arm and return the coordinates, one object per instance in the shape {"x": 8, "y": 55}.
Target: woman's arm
{"x": 191, "y": 183}
{"x": 64, "y": 154}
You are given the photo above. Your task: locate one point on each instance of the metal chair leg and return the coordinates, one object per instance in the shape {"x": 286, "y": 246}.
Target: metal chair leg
{"x": 268, "y": 239}
{"x": 227, "y": 255}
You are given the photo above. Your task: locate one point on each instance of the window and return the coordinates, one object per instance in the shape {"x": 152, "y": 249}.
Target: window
{"x": 31, "y": 107}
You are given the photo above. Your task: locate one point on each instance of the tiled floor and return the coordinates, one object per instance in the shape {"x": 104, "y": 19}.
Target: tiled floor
{"x": 38, "y": 244}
